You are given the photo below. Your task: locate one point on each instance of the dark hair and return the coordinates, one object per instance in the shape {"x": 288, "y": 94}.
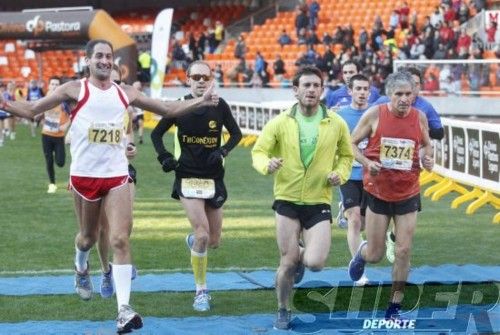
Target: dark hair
{"x": 351, "y": 62}
{"x": 306, "y": 70}
{"x": 413, "y": 71}
{"x": 55, "y": 78}
{"x": 358, "y": 76}
{"x": 89, "y": 48}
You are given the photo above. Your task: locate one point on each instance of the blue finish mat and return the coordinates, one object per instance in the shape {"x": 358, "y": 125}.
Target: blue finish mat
{"x": 179, "y": 282}
{"x": 462, "y": 319}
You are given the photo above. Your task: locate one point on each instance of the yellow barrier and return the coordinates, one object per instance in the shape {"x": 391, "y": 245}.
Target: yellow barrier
{"x": 428, "y": 192}
{"x": 427, "y": 177}
{"x": 486, "y": 198}
{"x": 444, "y": 186}
{"x": 475, "y": 193}
{"x": 450, "y": 186}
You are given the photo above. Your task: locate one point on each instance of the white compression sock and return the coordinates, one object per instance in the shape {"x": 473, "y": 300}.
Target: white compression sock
{"x": 122, "y": 277}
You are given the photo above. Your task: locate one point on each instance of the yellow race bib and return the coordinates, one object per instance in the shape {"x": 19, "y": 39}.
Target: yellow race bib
{"x": 105, "y": 133}
{"x": 396, "y": 153}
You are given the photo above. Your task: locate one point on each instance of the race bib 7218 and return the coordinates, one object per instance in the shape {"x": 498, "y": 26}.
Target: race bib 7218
{"x": 105, "y": 133}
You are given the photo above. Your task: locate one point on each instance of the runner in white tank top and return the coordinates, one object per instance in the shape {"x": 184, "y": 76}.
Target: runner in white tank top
{"x": 103, "y": 164}
{"x": 97, "y": 146}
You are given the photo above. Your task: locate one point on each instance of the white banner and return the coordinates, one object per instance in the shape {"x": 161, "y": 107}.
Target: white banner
{"x": 159, "y": 50}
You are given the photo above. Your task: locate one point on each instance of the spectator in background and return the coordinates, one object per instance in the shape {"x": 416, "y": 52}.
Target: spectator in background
{"x": 338, "y": 35}
{"x": 463, "y": 13}
{"x": 301, "y": 20}
{"x": 219, "y": 75}
{"x": 212, "y": 43}
{"x": 440, "y": 52}
{"x": 202, "y": 41}
{"x": 278, "y": 68}
{"x": 9, "y": 94}
{"x": 394, "y": 19}
{"x": 431, "y": 83}
{"x": 448, "y": 13}
{"x": 314, "y": 8}
{"x": 219, "y": 33}
{"x": 446, "y": 35}
{"x": 284, "y": 38}
{"x": 327, "y": 40}
{"x": 241, "y": 48}
{"x": 474, "y": 77}
{"x": 302, "y": 36}
{"x": 179, "y": 58}
{"x": 436, "y": 17}
{"x": 34, "y": 93}
{"x": 193, "y": 47}
{"x": 247, "y": 75}
{"x": 445, "y": 79}
{"x": 404, "y": 15}
{"x": 312, "y": 39}
{"x": 463, "y": 43}
{"x": 363, "y": 39}
{"x": 240, "y": 68}
{"x": 145, "y": 63}
{"x": 417, "y": 49}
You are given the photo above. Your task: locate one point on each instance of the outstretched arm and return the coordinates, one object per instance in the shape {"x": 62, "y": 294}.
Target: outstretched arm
{"x": 28, "y": 109}
{"x": 171, "y": 109}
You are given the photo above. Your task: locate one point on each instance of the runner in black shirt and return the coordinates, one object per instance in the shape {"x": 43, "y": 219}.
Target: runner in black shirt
{"x": 199, "y": 171}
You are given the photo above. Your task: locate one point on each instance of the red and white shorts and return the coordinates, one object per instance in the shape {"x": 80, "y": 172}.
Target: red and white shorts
{"x": 93, "y": 189}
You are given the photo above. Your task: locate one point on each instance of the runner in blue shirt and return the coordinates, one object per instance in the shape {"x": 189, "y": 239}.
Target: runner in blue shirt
{"x": 341, "y": 97}
{"x": 352, "y": 190}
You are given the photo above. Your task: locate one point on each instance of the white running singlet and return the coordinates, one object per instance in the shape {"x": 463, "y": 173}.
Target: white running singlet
{"x": 97, "y": 132}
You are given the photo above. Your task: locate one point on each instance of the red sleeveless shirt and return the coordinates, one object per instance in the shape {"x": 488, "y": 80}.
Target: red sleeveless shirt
{"x": 395, "y": 145}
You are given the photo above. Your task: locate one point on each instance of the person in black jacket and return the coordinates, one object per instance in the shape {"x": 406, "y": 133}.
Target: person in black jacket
{"x": 199, "y": 171}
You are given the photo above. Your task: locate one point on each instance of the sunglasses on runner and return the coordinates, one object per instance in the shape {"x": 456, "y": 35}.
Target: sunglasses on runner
{"x": 198, "y": 77}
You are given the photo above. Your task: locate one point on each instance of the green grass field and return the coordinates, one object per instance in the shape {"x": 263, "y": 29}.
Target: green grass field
{"x": 38, "y": 232}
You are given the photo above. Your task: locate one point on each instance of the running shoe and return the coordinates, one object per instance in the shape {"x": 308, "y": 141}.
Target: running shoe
{"x": 106, "y": 288}
{"x": 201, "y": 301}
{"x": 357, "y": 264}
{"x": 341, "y": 219}
{"x": 283, "y": 319}
{"x": 127, "y": 320}
{"x": 52, "y": 188}
{"x": 83, "y": 284}
{"x": 393, "y": 312}
{"x": 389, "y": 247}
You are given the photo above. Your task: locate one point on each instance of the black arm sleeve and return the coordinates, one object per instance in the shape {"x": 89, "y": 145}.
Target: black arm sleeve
{"x": 437, "y": 133}
{"x": 157, "y": 134}
{"x": 231, "y": 126}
